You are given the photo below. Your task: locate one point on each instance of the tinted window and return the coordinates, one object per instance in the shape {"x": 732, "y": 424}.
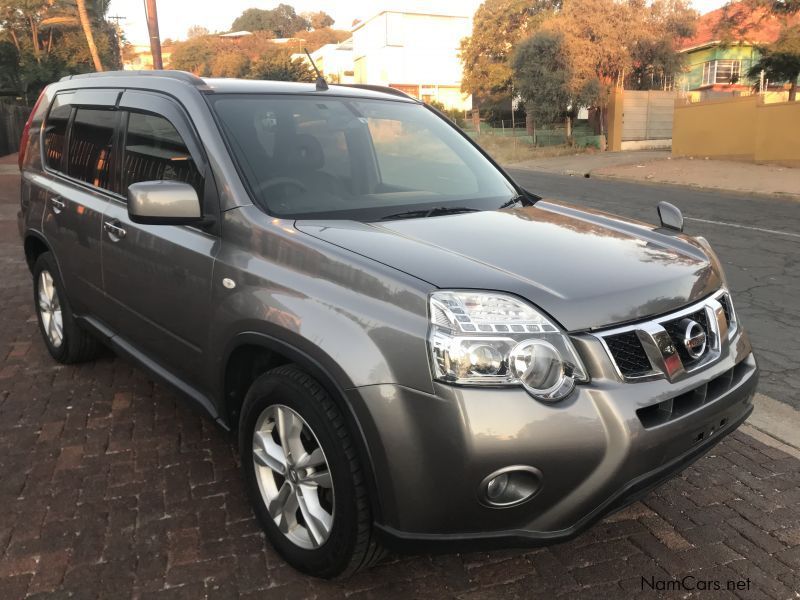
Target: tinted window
{"x": 55, "y": 132}
{"x": 329, "y": 157}
{"x": 91, "y": 147}
{"x": 154, "y": 150}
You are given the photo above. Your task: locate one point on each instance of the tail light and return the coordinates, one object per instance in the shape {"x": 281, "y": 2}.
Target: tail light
{"x": 23, "y": 142}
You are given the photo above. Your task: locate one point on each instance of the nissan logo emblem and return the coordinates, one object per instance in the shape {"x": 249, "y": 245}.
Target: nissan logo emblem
{"x": 694, "y": 338}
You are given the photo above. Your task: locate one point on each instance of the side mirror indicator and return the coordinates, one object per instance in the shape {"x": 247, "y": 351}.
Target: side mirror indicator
{"x": 670, "y": 216}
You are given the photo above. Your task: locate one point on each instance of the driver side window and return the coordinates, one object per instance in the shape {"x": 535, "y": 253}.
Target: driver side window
{"x": 154, "y": 150}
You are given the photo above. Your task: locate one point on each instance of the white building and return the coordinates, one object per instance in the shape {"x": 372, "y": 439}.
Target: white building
{"x": 414, "y": 46}
{"x": 334, "y": 60}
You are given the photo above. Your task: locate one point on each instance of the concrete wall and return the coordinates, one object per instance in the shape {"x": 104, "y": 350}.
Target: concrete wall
{"x": 738, "y": 128}
{"x": 647, "y": 115}
{"x": 639, "y": 116}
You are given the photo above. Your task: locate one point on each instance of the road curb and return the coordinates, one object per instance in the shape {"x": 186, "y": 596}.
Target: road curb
{"x": 775, "y": 420}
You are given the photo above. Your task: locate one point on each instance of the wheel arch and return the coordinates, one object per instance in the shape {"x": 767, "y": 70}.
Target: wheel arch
{"x": 35, "y": 245}
{"x": 259, "y": 353}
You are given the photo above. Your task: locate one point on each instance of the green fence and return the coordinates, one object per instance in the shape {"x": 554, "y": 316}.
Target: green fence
{"x": 582, "y": 135}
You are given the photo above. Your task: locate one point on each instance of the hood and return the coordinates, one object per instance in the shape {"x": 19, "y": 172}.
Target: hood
{"x": 586, "y": 269}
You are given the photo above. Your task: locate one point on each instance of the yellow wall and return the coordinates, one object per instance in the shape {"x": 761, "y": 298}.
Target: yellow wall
{"x": 738, "y": 128}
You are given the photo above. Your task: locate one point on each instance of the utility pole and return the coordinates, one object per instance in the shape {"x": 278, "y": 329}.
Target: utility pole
{"x": 152, "y": 27}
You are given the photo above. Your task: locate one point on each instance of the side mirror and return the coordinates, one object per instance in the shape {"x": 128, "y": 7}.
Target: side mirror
{"x": 163, "y": 203}
{"x": 670, "y": 215}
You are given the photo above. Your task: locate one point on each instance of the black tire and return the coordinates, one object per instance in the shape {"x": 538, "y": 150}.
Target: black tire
{"x": 76, "y": 345}
{"x": 351, "y": 544}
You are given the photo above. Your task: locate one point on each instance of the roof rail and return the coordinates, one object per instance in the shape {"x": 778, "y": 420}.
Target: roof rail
{"x": 179, "y": 75}
{"x": 380, "y": 88}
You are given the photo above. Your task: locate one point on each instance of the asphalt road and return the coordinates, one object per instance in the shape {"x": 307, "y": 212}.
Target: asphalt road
{"x": 757, "y": 239}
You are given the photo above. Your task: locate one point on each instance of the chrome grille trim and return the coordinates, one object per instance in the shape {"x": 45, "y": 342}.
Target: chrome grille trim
{"x": 659, "y": 346}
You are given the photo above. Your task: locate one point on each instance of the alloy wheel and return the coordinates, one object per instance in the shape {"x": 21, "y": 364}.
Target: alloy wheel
{"x": 293, "y": 476}
{"x": 50, "y": 309}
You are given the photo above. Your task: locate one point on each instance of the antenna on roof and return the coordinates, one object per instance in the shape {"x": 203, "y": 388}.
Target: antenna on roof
{"x": 322, "y": 85}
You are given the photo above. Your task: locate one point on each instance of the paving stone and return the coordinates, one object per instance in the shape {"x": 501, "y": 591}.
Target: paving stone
{"x": 112, "y": 486}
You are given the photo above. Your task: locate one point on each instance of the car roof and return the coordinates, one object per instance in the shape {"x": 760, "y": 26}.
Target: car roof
{"x": 152, "y": 79}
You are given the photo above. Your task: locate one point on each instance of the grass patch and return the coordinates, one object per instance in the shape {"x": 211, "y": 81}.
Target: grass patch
{"x": 511, "y": 150}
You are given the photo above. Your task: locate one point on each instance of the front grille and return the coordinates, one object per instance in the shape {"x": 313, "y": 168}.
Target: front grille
{"x": 664, "y": 338}
{"x": 629, "y": 354}
{"x": 676, "y": 333}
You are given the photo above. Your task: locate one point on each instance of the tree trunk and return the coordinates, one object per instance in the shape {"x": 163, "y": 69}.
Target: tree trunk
{"x": 793, "y": 90}
{"x": 568, "y": 129}
{"x": 87, "y": 30}
{"x": 35, "y": 38}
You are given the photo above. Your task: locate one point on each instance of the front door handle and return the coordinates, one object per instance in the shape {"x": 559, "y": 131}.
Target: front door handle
{"x": 114, "y": 231}
{"x": 57, "y": 203}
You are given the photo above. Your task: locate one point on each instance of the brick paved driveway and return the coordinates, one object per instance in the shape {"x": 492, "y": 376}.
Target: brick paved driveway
{"x": 111, "y": 487}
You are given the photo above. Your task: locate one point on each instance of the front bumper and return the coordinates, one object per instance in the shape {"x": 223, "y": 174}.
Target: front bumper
{"x": 429, "y": 453}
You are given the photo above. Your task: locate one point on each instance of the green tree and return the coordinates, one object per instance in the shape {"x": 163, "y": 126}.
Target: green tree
{"x": 282, "y": 21}
{"x": 780, "y": 61}
{"x": 486, "y": 54}
{"x": 195, "y": 55}
{"x": 230, "y": 64}
{"x": 543, "y": 77}
{"x": 280, "y": 66}
{"x": 9, "y": 66}
{"x": 654, "y": 50}
{"x": 51, "y": 42}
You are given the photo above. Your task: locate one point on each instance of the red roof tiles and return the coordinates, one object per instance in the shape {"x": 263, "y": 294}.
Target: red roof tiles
{"x": 751, "y": 26}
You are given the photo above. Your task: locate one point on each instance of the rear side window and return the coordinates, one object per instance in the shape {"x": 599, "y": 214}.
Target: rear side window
{"x": 55, "y": 132}
{"x": 91, "y": 147}
{"x": 154, "y": 150}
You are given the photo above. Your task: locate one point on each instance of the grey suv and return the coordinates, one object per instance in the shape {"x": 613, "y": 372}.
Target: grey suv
{"x": 411, "y": 350}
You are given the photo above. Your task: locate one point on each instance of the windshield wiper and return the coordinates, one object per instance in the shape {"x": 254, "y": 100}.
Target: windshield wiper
{"x": 430, "y": 212}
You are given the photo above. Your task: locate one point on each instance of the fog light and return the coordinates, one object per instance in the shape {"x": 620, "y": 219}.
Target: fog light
{"x": 497, "y": 486}
{"x": 510, "y": 486}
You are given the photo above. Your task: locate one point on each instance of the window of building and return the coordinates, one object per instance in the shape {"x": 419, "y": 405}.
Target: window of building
{"x": 91, "y": 147}
{"x": 55, "y": 132}
{"x": 154, "y": 151}
{"x": 721, "y": 72}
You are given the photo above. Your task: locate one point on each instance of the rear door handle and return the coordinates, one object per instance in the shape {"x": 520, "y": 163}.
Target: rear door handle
{"x": 57, "y": 203}
{"x": 114, "y": 231}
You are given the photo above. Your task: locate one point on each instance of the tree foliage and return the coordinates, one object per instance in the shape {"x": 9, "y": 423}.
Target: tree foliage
{"x": 196, "y": 31}
{"x": 543, "y": 76}
{"x": 486, "y": 54}
{"x": 318, "y": 20}
{"x": 252, "y": 57}
{"x": 590, "y": 46}
{"x": 50, "y": 43}
{"x": 280, "y": 66}
{"x": 317, "y": 38}
{"x": 780, "y": 61}
{"x": 282, "y": 21}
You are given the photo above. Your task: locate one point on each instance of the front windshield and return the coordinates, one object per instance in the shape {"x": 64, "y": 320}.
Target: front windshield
{"x": 349, "y": 158}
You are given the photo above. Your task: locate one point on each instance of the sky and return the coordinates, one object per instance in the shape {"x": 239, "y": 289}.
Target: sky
{"x": 176, "y": 16}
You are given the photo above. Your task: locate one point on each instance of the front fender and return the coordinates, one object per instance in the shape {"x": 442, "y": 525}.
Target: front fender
{"x": 362, "y": 322}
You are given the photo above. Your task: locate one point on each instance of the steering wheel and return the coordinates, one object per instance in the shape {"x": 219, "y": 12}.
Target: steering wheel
{"x": 276, "y": 181}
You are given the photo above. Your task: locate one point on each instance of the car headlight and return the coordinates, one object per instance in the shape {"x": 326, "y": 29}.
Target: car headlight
{"x": 488, "y": 338}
